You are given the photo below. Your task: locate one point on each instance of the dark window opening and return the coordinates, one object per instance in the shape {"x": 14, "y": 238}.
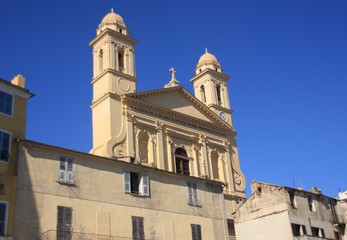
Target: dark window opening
{"x": 315, "y": 231}
{"x": 292, "y": 199}
{"x": 182, "y": 161}
{"x": 219, "y": 98}
{"x": 134, "y": 182}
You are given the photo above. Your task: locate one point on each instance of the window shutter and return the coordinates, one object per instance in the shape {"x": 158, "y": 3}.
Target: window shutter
{"x": 195, "y": 193}
{"x": 3, "y": 213}
{"x": 61, "y": 170}
{"x": 127, "y": 187}
{"x": 196, "y": 231}
{"x": 144, "y": 188}
{"x": 190, "y": 192}
{"x": 70, "y": 170}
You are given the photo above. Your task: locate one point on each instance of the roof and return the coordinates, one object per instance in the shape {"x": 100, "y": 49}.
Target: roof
{"x": 24, "y": 90}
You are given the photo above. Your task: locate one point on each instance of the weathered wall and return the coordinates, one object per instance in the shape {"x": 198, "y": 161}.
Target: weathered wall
{"x": 100, "y": 205}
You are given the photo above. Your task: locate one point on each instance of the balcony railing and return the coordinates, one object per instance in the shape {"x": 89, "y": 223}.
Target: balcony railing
{"x": 53, "y": 235}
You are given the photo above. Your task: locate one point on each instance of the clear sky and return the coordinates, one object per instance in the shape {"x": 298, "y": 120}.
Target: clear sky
{"x": 287, "y": 61}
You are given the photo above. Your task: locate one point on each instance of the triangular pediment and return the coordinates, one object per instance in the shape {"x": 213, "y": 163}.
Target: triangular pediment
{"x": 179, "y": 100}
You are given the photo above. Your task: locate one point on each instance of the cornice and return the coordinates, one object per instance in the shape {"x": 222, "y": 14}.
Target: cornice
{"x": 210, "y": 72}
{"x": 196, "y": 101}
{"x": 115, "y": 34}
{"x": 219, "y": 129}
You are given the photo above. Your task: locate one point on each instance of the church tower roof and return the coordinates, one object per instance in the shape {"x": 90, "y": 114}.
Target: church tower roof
{"x": 207, "y": 60}
{"x": 113, "y": 17}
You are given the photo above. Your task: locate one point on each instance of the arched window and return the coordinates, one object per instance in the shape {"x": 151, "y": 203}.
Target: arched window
{"x": 182, "y": 161}
{"x": 121, "y": 60}
{"x": 101, "y": 61}
{"x": 214, "y": 162}
{"x": 219, "y": 98}
{"x": 143, "y": 146}
{"x": 203, "y": 94}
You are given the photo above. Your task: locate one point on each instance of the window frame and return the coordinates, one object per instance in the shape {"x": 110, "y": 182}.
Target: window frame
{"x": 2, "y": 160}
{"x": 138, "y": 228}
{"x": 193, "y": 194}
{"x": 6, "y": 218}
{"x": 196, "y": 231}
{"x": 143, "y": 183}
{"x": 64, "y": 174}
{"x": 64, "y": 225}
{"x": 311, "y": 204}
{"x": 12, "y": 104}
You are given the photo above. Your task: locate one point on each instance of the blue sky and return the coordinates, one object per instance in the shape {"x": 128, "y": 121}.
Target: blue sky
{"x": 287, "y": 61}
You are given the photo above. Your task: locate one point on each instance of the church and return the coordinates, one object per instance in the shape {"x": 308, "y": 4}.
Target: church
{"x": 164, "y": 162}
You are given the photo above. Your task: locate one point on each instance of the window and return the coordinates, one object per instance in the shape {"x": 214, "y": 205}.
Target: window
{"x": 6, "y": 103}
{"x": 2, "y": 189}
{"x": 64, "y": 223}
{"x": 298, "y": 230}
{"x": 3, "y": 218}
{"x": 311, "y": 205}
{"x": 193, "y": 194}
{"x": 315, "y": 231}
{"x": 292, "y": 199}
{"x": 5, "y": 140}
{"x": 219, "y": 98}
{"x": 231, "y": 229}
{"x": 143, "y": 146}
{"x": 66, "y": 170}
{"x": 136, "y": 183}
{"x": 203, "y": 94}
{"x": 182, "y": 161}
{"x": 215, "y": 167}
{"x": 337, "y": 235}
{"x": 138, "y": 228}
{"x": 196, "y": 232}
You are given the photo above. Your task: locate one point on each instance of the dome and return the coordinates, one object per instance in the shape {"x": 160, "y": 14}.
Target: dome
{"x": 113, "y": 17}
{"x": 208, "y": 58}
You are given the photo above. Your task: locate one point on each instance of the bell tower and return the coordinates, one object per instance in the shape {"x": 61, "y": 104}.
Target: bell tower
{"x": 113, "y": 76}
{"x": 210, "y": 86}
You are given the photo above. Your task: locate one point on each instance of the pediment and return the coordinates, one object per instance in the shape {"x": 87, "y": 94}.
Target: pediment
{"x": 179, "y": 100}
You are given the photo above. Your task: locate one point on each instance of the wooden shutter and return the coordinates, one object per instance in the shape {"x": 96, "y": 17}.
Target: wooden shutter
{"x": 64, "y": 223}
{"x": 70, "y": 170}
{"x": 127, "y": 185}
{"x": 190, "y": 192}
{"x": 138, "y": 228}
{"x": 144, "y": 186}
{"x": 196, "y": 232}
{"x": 3, "y": 216}
{"x": 195, "y": 193}
{"x": 62, "y": 170}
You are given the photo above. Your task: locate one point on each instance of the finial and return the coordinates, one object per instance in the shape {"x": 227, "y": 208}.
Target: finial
{"x": 173, "y": 82}
{"x": 173, "y": 72}
{"x": 111, "y": 10}
{"x": 206, "y": 50}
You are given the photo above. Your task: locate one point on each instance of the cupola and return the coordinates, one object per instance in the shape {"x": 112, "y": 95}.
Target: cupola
{"x": 208, "y": 61}
{"x": 113, "y": 21}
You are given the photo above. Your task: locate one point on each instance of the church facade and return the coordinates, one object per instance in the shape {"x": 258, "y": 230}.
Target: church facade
{"x": 168, "y": 128}
{"x": 164, "y": 162}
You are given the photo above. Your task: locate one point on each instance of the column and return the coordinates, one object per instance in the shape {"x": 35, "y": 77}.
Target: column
{"x": 160, "y": 146}
{"x": 169, "y": 154}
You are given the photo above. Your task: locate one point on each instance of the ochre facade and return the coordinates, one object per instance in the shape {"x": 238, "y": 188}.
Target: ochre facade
{"x": 12, "y": 125}
{"x": 167, "y": 128}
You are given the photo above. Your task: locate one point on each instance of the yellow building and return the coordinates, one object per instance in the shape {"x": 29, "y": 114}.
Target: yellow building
{"x": 13, "y": 105}
{"x": 168, "y": 128}
{"x": 164, "y": 163}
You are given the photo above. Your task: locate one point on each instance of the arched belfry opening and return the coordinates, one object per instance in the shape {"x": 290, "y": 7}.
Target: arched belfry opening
{"x": 182, "y": 161}
{"x": 101, "y": 61}
{"x": 218, "y": 92}
{"x": 202, "y": 93}
{"x": 121, "y": 60}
